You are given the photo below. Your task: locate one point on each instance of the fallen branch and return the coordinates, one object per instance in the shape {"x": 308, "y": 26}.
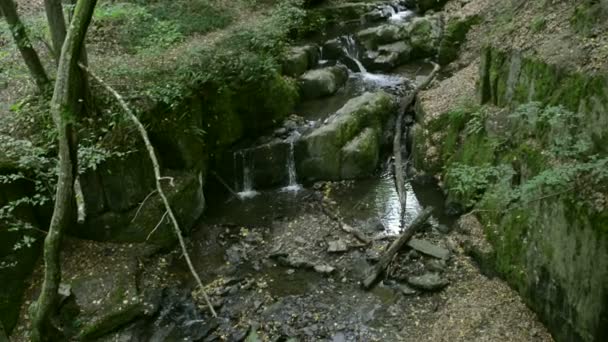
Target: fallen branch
{"x": 397, "y": 150}
{"x": 159, "y": 188}
{"x": 344, "y": 226}
{"x": 385, "y": 260}
{"x": 225, "y": 184}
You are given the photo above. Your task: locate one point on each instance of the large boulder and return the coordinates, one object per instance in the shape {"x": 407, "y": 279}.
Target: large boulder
{"x": 299, "y": 59}
{"x": 425, "y": 35}
{"x": 322, "y": 82}
{"x": 348, "y": 145}
{"x": 387, "y": 57}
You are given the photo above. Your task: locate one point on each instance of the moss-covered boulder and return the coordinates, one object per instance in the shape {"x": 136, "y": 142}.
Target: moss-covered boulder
{"x": 299, "y": 59}
{"x": 454, "y": 36}
{"x": 322, "y": 82}
{"x": 338, "y": 149}
{"x": 340, "y": 13}
{"x": 425, "y": 35}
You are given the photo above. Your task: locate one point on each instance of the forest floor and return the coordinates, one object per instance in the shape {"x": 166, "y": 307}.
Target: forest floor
{"x": 284, "y": 279}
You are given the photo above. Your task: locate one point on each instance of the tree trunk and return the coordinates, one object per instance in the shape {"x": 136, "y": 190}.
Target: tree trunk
{"x": 63, "y": 213}
{"x": 54, "y": 13}
{"x": 30, "y": 56}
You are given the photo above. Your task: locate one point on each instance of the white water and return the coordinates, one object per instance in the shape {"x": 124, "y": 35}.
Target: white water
{"x": 291, "y": 166}
{"x": 247, "y": 190}
{"x": 379, "y": 80}
{"x": 400, "y": 16}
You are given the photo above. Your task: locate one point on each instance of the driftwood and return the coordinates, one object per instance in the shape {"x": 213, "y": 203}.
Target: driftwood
{"x": 385, "y": 260}
{"x": 400, "y": 168}
{"x": 344, "y": 226}
{"x": 159, "y": 178}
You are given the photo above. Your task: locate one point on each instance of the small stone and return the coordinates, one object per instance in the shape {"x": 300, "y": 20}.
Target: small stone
{"x": 428, "y": 282}
{"x": 291, "y": 271}
{"x": 406, "y": 290}
{"x": 338, "y": 246}
{"x": 324, "y": 269}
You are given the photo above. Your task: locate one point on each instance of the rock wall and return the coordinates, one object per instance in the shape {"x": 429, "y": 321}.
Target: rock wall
{"x": 554, "y": 249}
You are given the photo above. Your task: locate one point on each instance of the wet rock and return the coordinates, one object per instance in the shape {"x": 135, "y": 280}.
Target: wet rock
{"x": 373, "y": 37}
{"x": 264, "y": 159}
{"x": 332, "y": 49}
{"x": 334, "y": 151}
{"x": 295, "y": 262}
{"x": 324, "y": 269}
{"x": 428, "y": 282}
{"x": 425, "y": 247}
{"x": 322, "y": 82}
{"x": 374, "y": 225}
{"x": 337, "y": 246}
{"x": 389, "y": 56}
{"x": 299, "y": 59}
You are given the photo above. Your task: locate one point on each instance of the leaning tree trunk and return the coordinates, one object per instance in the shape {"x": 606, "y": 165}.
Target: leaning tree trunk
{"x": 30, "y": 56}
{"x": 63, "y": 213}
{"x": 54, "y": 13}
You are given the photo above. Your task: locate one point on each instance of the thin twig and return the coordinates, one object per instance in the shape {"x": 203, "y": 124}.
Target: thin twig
{"x": 157, "y": 225}
{"x": 157, "y": 174}
{"x": 141, "y": 205}
{"x": 225, "y": 184}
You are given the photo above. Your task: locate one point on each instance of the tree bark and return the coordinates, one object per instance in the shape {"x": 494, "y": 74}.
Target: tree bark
{"x": 63, "y": 213}
{"x": 30, "y": 57}
{"x": 407, "y": 234}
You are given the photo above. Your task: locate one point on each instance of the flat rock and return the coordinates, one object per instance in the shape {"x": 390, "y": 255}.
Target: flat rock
{"x": 425, "y": 247}
{"x": 428, "y": 282}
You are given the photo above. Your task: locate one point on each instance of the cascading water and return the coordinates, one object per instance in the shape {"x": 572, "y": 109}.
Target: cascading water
{"x": 291, "y": 165}
{"x": 352, "y": 52}
{"x": 247, "y": 190}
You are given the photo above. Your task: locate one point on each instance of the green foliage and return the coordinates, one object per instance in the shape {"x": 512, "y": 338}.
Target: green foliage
{"x": 538, "y": 24}
{"x": 468, "y": 183}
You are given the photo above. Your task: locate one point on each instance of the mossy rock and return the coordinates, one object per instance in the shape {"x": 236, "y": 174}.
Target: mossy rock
{"x": 322, "y": 82}
{"x": 186, "y": 198}
{"x": 425, "y": 34}
{"x": 319, "y": 155}
{"x": 360, "y": 156}
{"x": 299, "y": 59}
{"x": 454, "y": 36}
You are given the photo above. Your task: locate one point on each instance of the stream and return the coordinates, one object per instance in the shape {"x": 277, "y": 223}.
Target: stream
{"x": 277, "y": 265}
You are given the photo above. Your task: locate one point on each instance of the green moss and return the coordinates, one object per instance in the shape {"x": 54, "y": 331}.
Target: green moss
{"x": 454, "y": 36}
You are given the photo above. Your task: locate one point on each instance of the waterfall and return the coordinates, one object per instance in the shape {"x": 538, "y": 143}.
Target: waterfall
{"x": 247, "y": 190}
{"x": 351, "y": 51}
{"x": 291, "y": 165}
